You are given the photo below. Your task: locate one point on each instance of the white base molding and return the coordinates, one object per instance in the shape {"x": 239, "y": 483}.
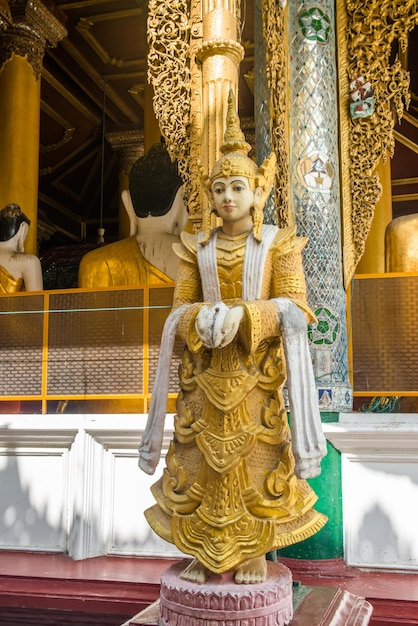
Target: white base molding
{"x": 71, "y": 484}
{"x": 380, "y": 488}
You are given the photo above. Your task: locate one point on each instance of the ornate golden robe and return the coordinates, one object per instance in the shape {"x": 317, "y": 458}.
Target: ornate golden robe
{"x": 229, "y": 491}
{"x": 8, "y": 282}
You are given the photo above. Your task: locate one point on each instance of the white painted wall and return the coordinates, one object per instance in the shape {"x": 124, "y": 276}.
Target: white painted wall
{"x": 71, "y": 483}
{"x": 380, "y": 488}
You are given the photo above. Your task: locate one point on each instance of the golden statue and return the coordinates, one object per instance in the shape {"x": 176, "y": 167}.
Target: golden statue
{"x": 157, "y": 215}
{"x": 233, "y": 487}
{"x": 19, "y": 271}
{"x": 401, "y": 244}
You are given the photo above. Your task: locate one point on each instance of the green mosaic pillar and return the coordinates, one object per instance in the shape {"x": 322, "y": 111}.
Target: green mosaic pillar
{"x": 315, "y": 191}
{"x": 315, "y": 203}
{"x": 315, "y": 197}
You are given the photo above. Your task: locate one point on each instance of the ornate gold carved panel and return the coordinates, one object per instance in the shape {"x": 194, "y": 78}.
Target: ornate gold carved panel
{"x": 169, "y": 73}
{"x": 275, "y": 35}
{"x": 366, "y": 34}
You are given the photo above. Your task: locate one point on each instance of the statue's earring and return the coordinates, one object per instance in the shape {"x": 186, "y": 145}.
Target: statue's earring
{"x": 206, "y": 224}
{"x": 258, "y": 218}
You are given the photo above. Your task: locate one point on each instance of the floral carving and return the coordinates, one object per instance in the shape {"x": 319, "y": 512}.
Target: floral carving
{"x": 366, "y": 34}
{"x": 277, "y": 71}
{"x": 23, "y": 42}
{"x": 169, "y": 74}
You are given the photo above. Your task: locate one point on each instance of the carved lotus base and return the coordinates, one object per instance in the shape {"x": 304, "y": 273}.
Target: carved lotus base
{"x": 221, "y": 602}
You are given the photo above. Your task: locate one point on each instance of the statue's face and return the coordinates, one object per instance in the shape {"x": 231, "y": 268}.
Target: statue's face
{"x": 233, "y": 199}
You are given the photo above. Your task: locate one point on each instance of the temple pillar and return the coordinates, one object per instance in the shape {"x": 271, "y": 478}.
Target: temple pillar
{"x": 315, "y": 191}
{"x": 22, "y": 46}
{"x": 373, "y": 259}
{"x": 130, "y": 146}
{"x": 220, "y": 55}
{"x": 314, "y": 183}
{"x": 301, "y": 69}
{"x": 216, "y": 54}
{"x": 19, "y": 139}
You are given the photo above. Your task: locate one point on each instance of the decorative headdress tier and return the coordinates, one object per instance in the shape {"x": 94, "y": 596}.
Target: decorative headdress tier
{"x": 236, "y": 162}
{"x": 235, "y": 149}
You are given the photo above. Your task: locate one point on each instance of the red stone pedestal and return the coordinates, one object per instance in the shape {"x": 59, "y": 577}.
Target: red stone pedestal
{"x": 221, "y": 602}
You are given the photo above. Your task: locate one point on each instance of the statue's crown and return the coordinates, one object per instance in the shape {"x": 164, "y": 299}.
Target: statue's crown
{"x": 235, "y": 160}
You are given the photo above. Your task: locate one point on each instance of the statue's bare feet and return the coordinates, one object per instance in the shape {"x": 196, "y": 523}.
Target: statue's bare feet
{"x": 195, "y": 572}
{"x": 252, "y": 571}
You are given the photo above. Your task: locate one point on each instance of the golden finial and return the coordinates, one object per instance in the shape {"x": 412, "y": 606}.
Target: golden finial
{"x": 235, "y": 159}
{"x": 234, "y": 140}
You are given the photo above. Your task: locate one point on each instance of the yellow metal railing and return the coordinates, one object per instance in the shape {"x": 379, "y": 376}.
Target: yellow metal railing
{"x": 384, "y": 323}
{"x": 80, "y": 344}
{"x": 84, "y": 345}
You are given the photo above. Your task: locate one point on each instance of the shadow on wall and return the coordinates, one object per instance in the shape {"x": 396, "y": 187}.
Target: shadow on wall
{"x": 386, "y": 535}
{"x": 380, "y": 542}
{"x": 68, "y": 492}
{"x": 27, "y": 519}
{"x": 38, "y": 490}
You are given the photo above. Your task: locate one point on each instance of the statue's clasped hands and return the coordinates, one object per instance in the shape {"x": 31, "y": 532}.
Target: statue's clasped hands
{"x": 218, "y": 324}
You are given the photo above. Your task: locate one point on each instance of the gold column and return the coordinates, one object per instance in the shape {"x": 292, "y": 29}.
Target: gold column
{"x": 22, "y": 47}
{"x": 220, "y": 56}
{"x": 193, "y": 61}
{"x": 130, "y": 146}
{"x": 216, "y": 55}
{"x": 373, "y": 259}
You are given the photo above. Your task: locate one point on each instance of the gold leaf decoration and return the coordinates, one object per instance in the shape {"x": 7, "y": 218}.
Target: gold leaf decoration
{"x": 366, "y": 33}
{"x": 274, "y": 32}
{"x": 169, "y": 73}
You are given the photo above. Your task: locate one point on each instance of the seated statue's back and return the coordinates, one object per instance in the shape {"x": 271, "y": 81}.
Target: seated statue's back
{"x": 157, "y": 214}
{"x": 18, "y": 270}
{"x": 123, "y": 264}
{"x": 401, "y": 244}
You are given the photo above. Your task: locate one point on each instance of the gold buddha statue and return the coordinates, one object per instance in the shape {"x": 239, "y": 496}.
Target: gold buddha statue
{"x": 19, "y": 271}
{"x": 233, "y": 487}
{"x": 401, "y": 244}
{"x": 157, "y": 215}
